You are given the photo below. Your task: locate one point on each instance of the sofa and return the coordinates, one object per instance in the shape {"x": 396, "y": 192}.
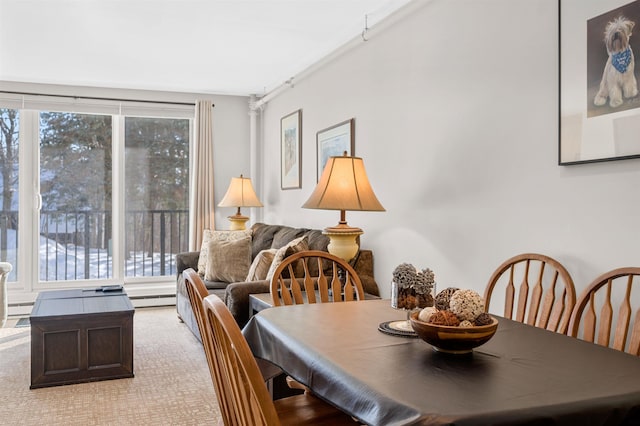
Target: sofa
{"x": 236, "y": 294}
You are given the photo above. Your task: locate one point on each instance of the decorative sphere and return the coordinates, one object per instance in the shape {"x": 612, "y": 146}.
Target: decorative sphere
{"x": 442, "y": 298}
{"x": 425, "y": 314}
{"x": 466, "y": 304}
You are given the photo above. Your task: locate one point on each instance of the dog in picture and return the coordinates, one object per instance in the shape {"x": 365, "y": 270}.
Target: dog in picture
{"x": 618, "y": 78}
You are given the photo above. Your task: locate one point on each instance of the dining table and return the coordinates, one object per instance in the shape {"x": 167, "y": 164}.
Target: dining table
{"x": 523, "y": 375}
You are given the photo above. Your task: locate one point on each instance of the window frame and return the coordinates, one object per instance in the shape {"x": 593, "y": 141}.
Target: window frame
{"x": 25, "y": 289}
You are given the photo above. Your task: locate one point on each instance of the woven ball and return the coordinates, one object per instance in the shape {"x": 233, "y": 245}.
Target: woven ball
{"x": 444, "y": 318}
{"x": 442, "y": 298}
{"x": 466, "y": 323}
{"x": 425, "y": 314}
{"x": 483, "y": 319}
{"x": 466, "y": 304}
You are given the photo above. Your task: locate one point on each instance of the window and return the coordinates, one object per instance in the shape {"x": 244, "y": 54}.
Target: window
{"x": 156, "y": 194}
{"x": 111, "y": 190}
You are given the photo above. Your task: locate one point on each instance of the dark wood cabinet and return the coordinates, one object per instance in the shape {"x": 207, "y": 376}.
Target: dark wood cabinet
{"x": 81, "y": 336}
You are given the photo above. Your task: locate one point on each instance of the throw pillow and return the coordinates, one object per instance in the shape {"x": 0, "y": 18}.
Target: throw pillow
{"x": 229, "y": 260}
{"x": 294, "y": 246}
{"x": 208, "y": 236}
{"x": 261, "y": 264}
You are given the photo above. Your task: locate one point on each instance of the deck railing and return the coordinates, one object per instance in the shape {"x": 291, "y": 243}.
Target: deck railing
{"x": 76, "y": 245}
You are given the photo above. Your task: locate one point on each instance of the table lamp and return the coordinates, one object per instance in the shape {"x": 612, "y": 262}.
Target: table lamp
{"x": 239, "y": 194}
{"x": 343, "y": 186}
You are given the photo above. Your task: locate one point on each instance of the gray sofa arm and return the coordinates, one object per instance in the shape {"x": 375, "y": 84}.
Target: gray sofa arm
{"x": 237, "y": 298}
{"x": 187, "y": 260}
{"x": 363, "y": 265}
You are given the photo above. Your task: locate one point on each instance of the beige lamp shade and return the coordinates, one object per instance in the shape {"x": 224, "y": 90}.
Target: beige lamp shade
{"x": 239, "y": 194}
{"x": 344, "y": 185}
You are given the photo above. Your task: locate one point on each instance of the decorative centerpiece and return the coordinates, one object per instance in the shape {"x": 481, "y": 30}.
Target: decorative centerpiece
{"x": 411, "y": 289}
{"x": 457, "y": 324}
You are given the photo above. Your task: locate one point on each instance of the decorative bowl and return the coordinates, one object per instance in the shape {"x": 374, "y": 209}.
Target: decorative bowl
{"x": 457, "y": 340}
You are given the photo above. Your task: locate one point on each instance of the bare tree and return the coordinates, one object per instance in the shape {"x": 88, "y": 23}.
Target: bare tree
{"x": 9, "y": 132}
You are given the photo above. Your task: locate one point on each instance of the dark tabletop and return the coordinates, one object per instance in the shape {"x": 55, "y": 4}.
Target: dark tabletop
{"x": 523, "y": 375}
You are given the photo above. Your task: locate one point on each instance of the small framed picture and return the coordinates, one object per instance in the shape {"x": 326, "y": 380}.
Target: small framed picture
{"x": 335, "y": 141}
{"x": 291, "y": 150}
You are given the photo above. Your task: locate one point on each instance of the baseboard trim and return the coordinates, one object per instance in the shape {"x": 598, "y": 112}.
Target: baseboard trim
{"x": 24, "y": 309}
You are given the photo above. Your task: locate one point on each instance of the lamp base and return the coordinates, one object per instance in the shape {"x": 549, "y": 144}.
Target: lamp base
{"x": 342, "y": 241}
{"x": 238, "y": 222}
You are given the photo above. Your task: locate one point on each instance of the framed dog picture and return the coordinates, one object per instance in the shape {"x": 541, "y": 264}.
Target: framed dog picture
{"x": 599, "y": 92}
{"x": 334, "y": 141}
{"x": 291, "y": 150}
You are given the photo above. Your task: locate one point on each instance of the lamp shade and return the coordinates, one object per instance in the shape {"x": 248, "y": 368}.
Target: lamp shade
{"x": 240, "y": 194}
{"x": 344, "y": 185}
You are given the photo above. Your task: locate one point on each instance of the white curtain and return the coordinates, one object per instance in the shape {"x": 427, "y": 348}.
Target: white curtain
{"x": 201, "y": 212}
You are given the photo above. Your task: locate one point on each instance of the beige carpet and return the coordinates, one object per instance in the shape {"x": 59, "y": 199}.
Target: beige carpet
{"x": 172, "y": 385}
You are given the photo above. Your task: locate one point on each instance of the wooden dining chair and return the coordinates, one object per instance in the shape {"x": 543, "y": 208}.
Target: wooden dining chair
{"x": 314, "y": 276}
{"x": 545, "y": 294}
{"x": 273, "y": 375}
{"x": 594, "y": 310}
{"x": 197, "y": 291}
{"x": 238, "y": 379}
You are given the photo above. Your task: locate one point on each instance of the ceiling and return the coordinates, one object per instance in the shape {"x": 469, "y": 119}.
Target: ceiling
{"x": 237, "y": 47}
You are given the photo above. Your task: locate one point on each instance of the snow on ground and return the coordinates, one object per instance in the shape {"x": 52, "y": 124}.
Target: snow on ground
{"x": 67, "y": 262}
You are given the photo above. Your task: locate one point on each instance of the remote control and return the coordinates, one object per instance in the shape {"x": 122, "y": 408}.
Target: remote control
{"x": 115, "y": 287}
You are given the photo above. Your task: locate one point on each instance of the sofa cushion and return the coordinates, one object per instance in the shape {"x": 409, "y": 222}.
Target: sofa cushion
{"x": 261, "y": 264}
{"x": 317, "y": 240}
{"x": 229, "y": 260}
{"x": 295, "y": 246}
{"x": 285, "y": 235}
{"x": 262, "y": 235}
{"x": 208, "y": 236}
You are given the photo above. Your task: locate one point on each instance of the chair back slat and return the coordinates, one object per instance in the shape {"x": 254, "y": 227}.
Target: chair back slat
{"x": 284, "y": 294}
{"x": 546, "y": 310}
{"x": 294, "y": 287}
{"x": 309, "y": 285}
{"x": 336, "y": 285}
{"x": 523, "y": 294}
{"x": 337, "y": 281}
{"x": 624, "y": 318}
{"x": 349, "y": 288}
{"x": 590, "y": 320}
{"x": 613, "y": 289}
{"x": 509, "y": 295}
{"x": 323, "y": 286}
{"x": 545, "y": 295}
{"x": 558, "y": 320}
{"x": 606, "y": 315}
{"x": 536, "y": 297}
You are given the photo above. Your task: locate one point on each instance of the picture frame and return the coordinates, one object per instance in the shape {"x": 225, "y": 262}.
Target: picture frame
{"x": 594, "y": 125}
{"x": 334, "y": 141}
{"x": 291, "y": 150}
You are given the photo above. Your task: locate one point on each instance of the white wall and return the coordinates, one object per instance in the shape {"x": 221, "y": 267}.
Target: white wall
{"x": 456, "y": 109}
{"x": 231, "y": 150}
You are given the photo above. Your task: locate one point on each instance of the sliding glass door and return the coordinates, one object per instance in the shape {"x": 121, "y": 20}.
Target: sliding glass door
{"x": 156, "y": 194}
{"x": 100, "y": 197}
{"x": 76, "y": 192}
{"x": 9, "y": 186}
